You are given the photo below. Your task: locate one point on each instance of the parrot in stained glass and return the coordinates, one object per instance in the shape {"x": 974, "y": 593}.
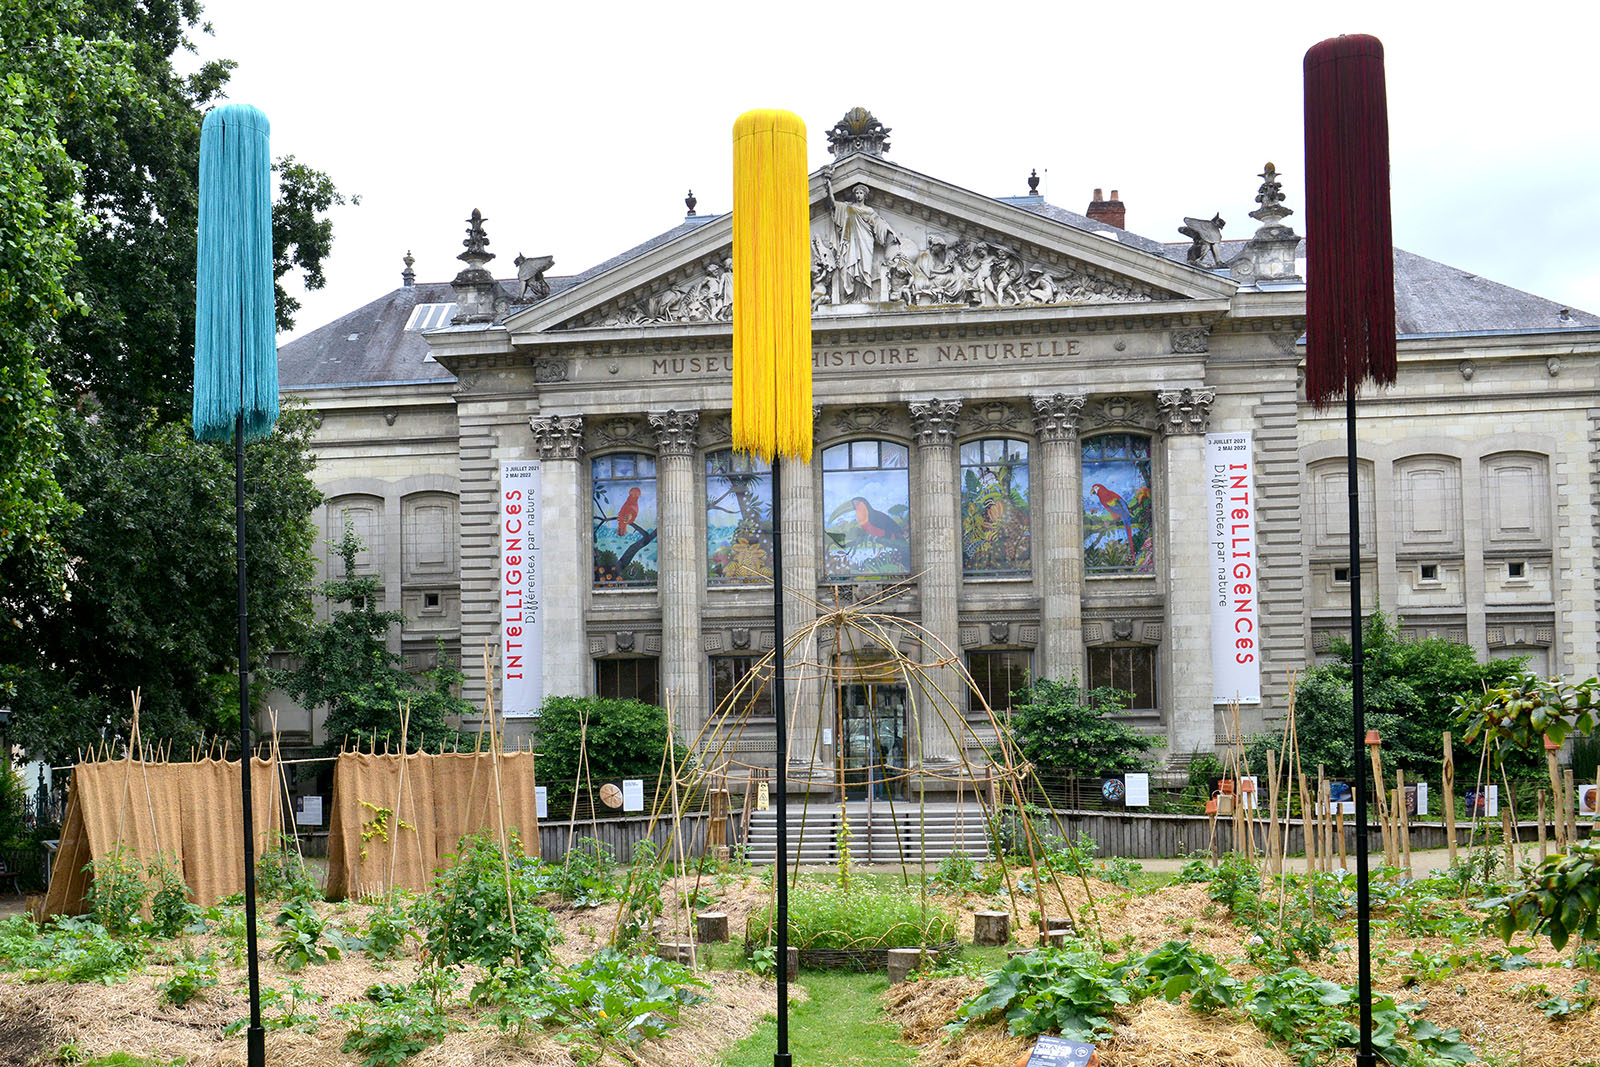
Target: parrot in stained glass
{"x": 1115, "y": 504}
{"x": 875, "y": 523}
{"x": 628, "y": 512}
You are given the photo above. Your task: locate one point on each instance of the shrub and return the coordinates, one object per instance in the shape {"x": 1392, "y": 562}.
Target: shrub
{"x": 399, "y": 1022}
{"x": 1064, "y": 728}
{"x": 465, "y": 915}
{"x": 956, "y": 872}
{"x": 387, "y": 930}
{"x": 170, "y": 910}
{"x": 624, "y": 740}
{"x": 861, "y": 918}
{"x": 281, "y": 873}
{"x": 303, "y": 940}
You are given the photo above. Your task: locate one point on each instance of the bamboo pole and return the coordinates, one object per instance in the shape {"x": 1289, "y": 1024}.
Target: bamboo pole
{"x": 1325, "y": 818}
{"x": 1556, "y": 793}
{"x": 1274, "y": 855}
{"x": 1403, "y": 817}
{"x": 1508, "y": 832}
{"x": 1448, "y": 801}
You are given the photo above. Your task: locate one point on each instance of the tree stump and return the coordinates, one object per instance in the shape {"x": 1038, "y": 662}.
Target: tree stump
{"x": 902, "y": 961}
{"x": 712, "y": 927}
{"x": 1058, "y": 936}
{"x": 991, "y": 927}
{"x": 677, "y": 952}
{"x": 794, "y": 964}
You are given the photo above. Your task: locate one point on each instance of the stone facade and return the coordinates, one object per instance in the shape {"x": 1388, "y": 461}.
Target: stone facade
{"x": 969, "y": 346}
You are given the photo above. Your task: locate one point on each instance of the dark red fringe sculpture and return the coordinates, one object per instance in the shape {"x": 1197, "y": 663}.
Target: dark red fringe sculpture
{"x": 1350, "y": 243}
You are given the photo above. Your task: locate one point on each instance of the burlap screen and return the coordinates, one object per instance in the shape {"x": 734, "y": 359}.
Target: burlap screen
{"x": 189, "y": 811}
{"x": 396, "y": 818}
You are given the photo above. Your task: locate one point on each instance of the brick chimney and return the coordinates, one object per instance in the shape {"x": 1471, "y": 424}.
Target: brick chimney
{"x": 1111, "y": 212}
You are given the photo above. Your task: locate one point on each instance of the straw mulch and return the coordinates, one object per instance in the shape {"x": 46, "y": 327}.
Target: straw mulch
{"x": 37, "y": 1019}
{"x": 1156, "y": 1034}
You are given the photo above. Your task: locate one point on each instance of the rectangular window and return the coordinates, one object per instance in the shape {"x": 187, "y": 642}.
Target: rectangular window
{"x": 740, "y": 689}
{"x": 997, "y": 675}
{"x": 635, "y": 678}
{"x": 1341, "y": 576}
{"x": 1430, "y": 573}
{"x": 1130, "y": 668}
{"x": 1516, "y": 570}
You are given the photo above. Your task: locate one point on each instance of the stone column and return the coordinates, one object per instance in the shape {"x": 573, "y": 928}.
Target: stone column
{"x": 797, "y": 512}
{"x": 1184, "y": 415}
{"x": 563, "y": 518}
{"x": 935, "y": 515}
{"x": 1058, "y": 534}
{"x": 681, "y": 578}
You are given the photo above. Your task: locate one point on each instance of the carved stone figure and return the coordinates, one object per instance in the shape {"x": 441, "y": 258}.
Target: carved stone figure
{"x": 860, "y": 234}
{"x": 823, "y": 266}
{"x": 1040, "y": 288}
{"x": 1206, "y": 236}
{"x": 934, "y": 280}
{"x": 530, "y": 272}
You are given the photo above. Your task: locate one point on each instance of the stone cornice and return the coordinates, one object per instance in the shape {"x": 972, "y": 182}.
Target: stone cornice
{"x": 557, "y": 436}
{"x": 1056, "y": 415}
{"x": 1185, "y": 411}
{"x": 933, "y": 421}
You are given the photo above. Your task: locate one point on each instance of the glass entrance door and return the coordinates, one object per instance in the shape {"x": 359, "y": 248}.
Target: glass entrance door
{"x": 872, "y": 736}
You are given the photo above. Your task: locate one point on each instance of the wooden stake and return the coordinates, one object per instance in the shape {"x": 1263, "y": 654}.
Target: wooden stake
{"x": 1338, "y": 822}
{"x": 1274, "y": 856}
{"x": 1403, "y": 815}
{"x": 1449, "y": 799}
{"x": 1544, "y": 850}
{"x": 1382, "y": 805}
{"x": 1508, "y": 831}
{"x": 1308, "y": 824}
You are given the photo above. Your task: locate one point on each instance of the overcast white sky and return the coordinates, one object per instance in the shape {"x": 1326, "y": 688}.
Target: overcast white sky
{"x": 577, "y": 128}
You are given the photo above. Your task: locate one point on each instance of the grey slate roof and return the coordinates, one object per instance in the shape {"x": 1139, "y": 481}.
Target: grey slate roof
{"x": 370, "y": 345}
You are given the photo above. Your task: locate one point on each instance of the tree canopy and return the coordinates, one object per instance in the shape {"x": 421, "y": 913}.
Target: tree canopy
{"x": 116, "y": 527}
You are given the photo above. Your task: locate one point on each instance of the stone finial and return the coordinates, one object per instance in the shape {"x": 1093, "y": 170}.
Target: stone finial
{"x": 858, "y": 131}
{"x": 557, "y": 436}
{"x": 1270, "y": 197}
{"x": 1270, "y": 255}
{"x": 934, "y": 421}
{"x": 474, "y": 286}
{"x": 1056, "y": 415}
{"x": 1033, "y": 182}
{"x": 676, "y": 431}
{"x": 408, "y": 277}
{"x": 1185, "y": 411}
{"x": 689, "y": 202}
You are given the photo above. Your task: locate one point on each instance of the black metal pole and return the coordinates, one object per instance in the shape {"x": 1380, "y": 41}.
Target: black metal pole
{"x": 1364, "y": 1054}
{"x": 781, "y": 760}
{"x": 255, "y": 1036}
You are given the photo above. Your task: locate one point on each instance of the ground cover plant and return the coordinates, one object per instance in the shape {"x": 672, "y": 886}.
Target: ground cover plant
{"x": 862, "y": 917}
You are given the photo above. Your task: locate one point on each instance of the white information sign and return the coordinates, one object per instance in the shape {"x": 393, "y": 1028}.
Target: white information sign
{"x": 541, "y": 802}
{"x": 308, "y": 811}
{"x": 521, "y": 586}
{"x": 1422, "y": 797}
{"x": 1232, "y": 567}
{"x": 1249, "y": 787}
{"x": 1138, "y": 790}
{"x": 633, "y": 794}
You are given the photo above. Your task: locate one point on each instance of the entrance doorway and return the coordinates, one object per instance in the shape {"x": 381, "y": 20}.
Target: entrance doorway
{"x": 872, "y": 739}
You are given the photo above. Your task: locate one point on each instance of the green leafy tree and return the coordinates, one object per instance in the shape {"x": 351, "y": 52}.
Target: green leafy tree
{"x": 152, "y": 599}
{"x": 99, "y": 149}
{"x": 1064, "y": 728}
{"x": 624, "y": 739}
{"x": 1410, "y": 690}
{"x": 346, "y": 666}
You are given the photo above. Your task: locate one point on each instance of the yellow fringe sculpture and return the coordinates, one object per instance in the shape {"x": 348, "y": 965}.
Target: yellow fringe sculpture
{"x": 771, "y": 287}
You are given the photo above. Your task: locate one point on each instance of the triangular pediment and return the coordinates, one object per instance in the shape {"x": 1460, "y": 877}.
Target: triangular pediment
{"x": 885, "y": 240}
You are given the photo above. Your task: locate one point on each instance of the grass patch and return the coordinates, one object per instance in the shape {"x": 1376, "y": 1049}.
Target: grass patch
{"x": 841, "y": 1025}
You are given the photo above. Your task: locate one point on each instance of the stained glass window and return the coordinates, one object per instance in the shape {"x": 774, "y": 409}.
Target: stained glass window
{"x": 624, "y": 518}
{"x": 1118, "y": 527}
{"x": 866, "y": 503}
{"x": 738, "y": 519}
{"x": 994, "y": 507}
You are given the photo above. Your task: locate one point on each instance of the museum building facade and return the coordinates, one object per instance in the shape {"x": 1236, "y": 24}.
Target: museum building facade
{"x": 1018, "y": 412}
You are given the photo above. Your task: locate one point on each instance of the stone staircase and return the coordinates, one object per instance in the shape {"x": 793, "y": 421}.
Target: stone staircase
{"x": 882, "y": 837}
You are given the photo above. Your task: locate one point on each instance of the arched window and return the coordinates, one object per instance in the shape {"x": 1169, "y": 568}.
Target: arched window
{"x": 866, "y": 503}
{"x": 994, "y": 507}
{"x": 738, "y": 518}
{"x": 1118, "y": 526}
{"x": 624, "y": 516}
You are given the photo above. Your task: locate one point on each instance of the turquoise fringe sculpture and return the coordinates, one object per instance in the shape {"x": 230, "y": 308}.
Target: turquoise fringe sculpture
{"x": 235, "y": 348}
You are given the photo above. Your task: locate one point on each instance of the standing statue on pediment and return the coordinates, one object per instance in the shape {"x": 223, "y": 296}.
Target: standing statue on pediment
{"x": 1005, "y": 282}
{"x": 860, "y": 233}
{"x": 716, "y": 290}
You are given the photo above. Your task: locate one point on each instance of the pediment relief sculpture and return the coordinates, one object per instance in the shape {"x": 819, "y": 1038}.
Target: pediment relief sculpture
{"x": 866, "y": 255}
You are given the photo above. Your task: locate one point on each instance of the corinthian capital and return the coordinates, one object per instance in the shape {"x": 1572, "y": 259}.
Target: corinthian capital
{"x": 1185, "y": 410}
{"x": 934, "y": 421}
{"x": 557, "y": 436}
{"x": 676, "y": 431}
{"x": 1056, "y": 415}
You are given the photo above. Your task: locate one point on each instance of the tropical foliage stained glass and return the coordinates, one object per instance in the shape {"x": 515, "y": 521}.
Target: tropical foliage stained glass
{"x": 1118, "y": 532}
